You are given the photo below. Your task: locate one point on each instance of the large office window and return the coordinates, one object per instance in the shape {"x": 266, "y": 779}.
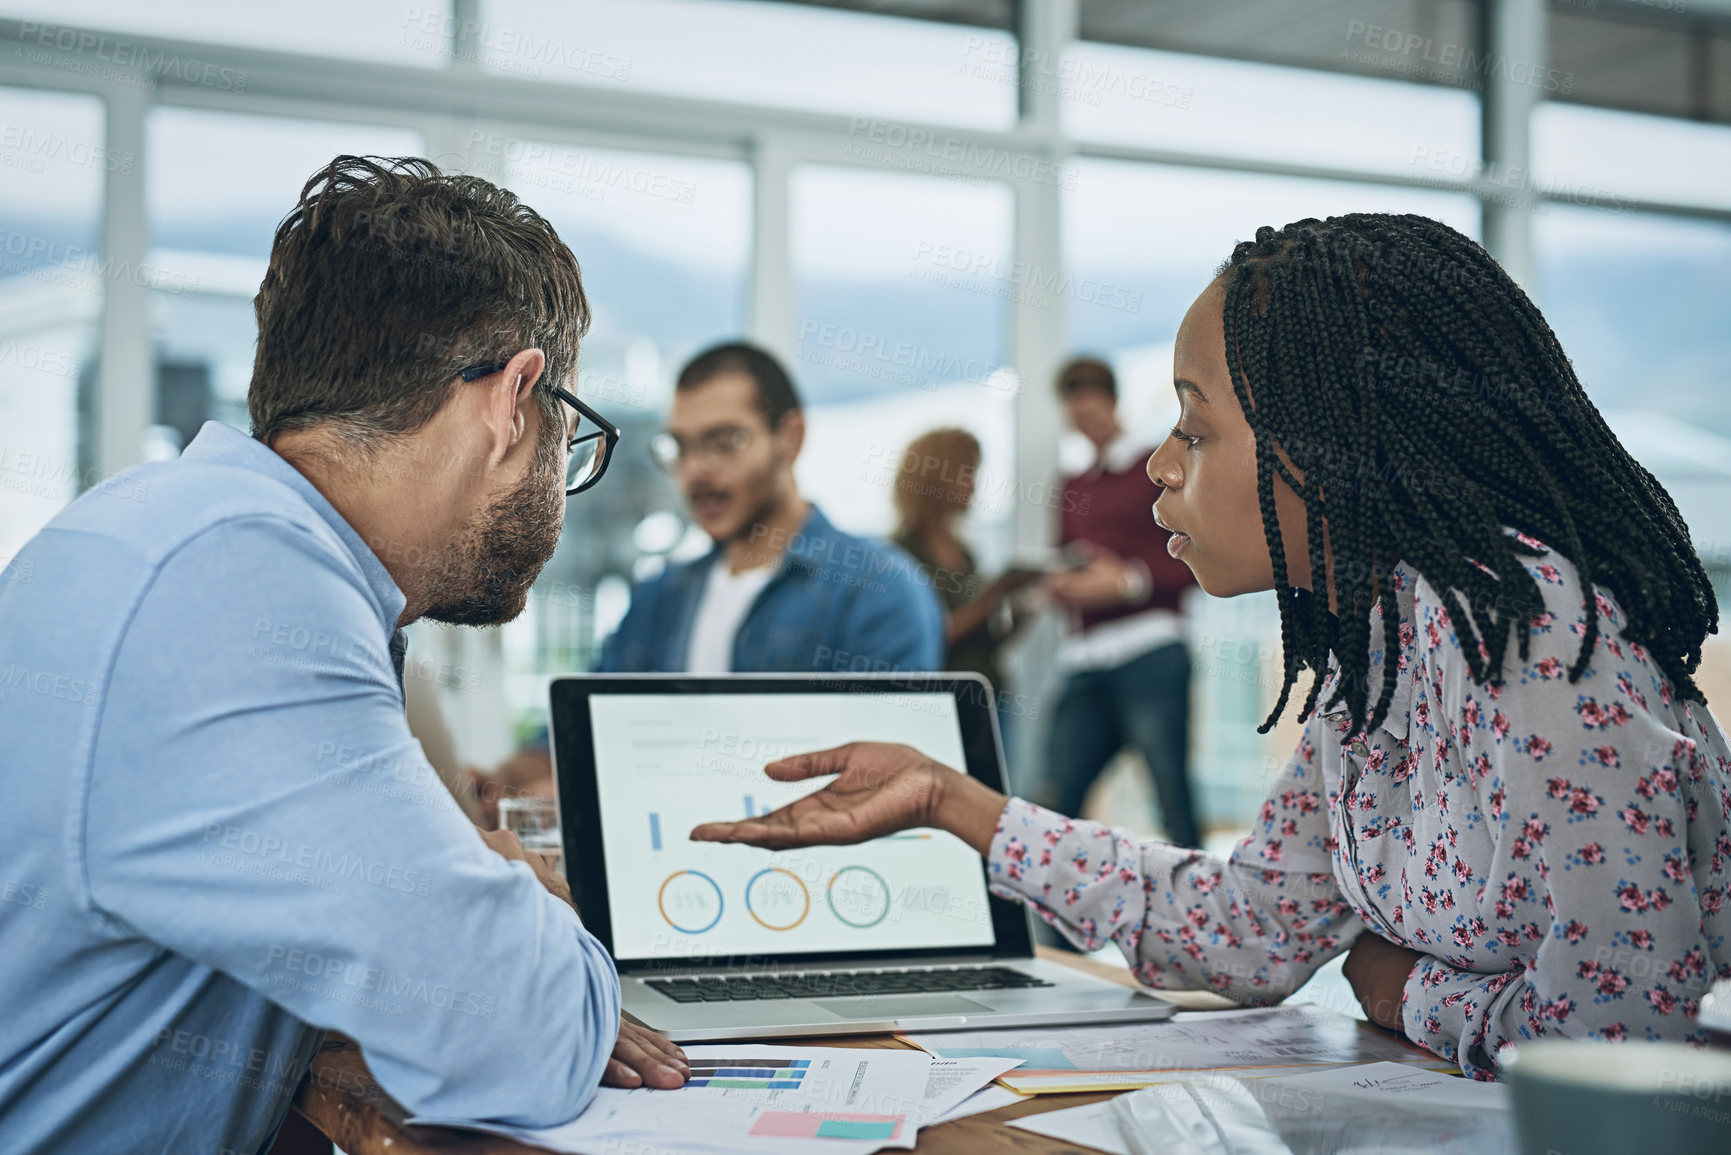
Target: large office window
{"x": 747, "y": 52}
{"x": 664, "y": 244}
{"x": 1156, "y": 233}
{"x": 217, "y": 185}
{"x": 53, "y": 161}
{"x": 1638, "y": 299}
{"x": 1638, "y": 303}
{"x": 1597, "y": 158}
{"x": 414, "y": 34}
{"x": 902, "y": 285}
{"x": 1266, "y": 113}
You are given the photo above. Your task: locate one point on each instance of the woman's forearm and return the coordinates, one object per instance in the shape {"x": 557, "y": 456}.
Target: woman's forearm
{"x": 1185, "y": 919}
{"x": 969, "y": 809}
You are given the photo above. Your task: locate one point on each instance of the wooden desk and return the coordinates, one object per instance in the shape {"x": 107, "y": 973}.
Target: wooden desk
{"x": 341, "y": 1099}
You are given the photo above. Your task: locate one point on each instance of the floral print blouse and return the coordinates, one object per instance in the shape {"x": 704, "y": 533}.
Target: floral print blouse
{"x": 1559, "y": 852}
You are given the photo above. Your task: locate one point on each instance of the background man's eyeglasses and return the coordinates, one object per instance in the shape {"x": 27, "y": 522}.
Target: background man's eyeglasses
{"x": 586, "y": 456}
{"x": 717, "y": 445}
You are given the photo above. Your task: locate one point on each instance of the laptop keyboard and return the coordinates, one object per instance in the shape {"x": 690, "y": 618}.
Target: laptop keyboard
{"x": 831, "y": 984}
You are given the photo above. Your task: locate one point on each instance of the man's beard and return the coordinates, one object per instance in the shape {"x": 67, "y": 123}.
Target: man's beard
{"x": 754, "y": 525}
{"x": 767, "y": 504}
{"x": 490, "y": 568}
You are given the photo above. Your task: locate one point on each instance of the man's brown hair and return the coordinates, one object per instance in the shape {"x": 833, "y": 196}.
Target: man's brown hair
{"x": 387, "y": 279}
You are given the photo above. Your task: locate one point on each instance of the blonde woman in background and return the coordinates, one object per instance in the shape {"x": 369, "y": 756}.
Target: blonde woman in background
{"x": 935, "y": 485}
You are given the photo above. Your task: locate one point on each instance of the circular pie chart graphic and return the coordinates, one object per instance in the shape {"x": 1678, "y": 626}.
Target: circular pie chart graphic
{"x": 777, "y": 899}
{"x": 859, "y": 896}
{"x": 690, "y": 901}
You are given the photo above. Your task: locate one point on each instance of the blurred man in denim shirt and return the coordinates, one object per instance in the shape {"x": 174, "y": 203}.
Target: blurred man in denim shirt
{"x": 783, "y": 590}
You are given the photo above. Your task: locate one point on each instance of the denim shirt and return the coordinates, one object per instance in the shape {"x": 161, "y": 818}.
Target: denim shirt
{"x": 837, "y": 603}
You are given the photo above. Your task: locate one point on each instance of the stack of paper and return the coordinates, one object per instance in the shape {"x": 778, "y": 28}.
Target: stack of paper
{"x": 1389, "y": 1108}
{"x": 1129, "y": 1055}
{"x": 751, "y": 1098}
{"x": 1383, "y": 1107}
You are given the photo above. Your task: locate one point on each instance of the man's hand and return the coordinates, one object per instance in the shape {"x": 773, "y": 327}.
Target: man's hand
{"x": 506, "y": 845}
{"x": 643, "y": 1058}
{"x": 1378, "y": 970}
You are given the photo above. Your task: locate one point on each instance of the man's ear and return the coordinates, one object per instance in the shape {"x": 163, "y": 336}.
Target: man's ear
{"x": 509, "y": 395}
{"x": 791, "y": 433}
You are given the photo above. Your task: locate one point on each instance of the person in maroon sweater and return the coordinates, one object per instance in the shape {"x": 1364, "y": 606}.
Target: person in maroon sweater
{"x": 1125, "y": 665}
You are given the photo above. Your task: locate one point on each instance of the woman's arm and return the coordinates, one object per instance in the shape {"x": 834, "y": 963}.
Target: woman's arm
{"x": 978, "y": 611}
{"x": 1253, "y": 926}
{"x": 974, "y": 614}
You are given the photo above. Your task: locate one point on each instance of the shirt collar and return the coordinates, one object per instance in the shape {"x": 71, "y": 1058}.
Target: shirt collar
{"x": 813, "y": 539}
{"x": 809, "y": 543}
{"x": 220, "y": 444}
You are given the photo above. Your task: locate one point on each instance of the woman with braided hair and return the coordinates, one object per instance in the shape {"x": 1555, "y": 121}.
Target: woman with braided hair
{"x": 1510, "y": 800}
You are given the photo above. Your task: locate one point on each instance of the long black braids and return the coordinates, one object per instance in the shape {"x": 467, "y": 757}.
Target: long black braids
{"x": 1413, "y": 397}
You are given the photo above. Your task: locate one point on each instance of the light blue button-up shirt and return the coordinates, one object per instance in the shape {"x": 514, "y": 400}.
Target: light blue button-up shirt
{"x": 218, "y": 837}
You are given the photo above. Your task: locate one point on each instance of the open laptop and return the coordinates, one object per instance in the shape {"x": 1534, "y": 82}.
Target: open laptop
{"x": 725, "y": 941}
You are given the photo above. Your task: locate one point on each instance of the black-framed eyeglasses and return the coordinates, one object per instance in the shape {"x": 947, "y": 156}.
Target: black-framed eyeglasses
{"x": 586, "y": 456}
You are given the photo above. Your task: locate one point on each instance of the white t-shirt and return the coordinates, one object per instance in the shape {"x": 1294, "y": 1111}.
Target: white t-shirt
{"x": 727, "y": 597}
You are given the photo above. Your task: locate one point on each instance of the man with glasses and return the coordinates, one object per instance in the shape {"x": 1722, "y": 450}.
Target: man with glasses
{"x": 220, "y": 839}
{"x": 783, "y": 590}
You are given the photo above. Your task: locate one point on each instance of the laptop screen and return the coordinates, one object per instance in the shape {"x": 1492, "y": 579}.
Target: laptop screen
{"x": 667, "y": 762}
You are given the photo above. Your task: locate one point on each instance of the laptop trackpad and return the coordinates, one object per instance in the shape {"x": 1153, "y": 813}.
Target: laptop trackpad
{"x": 902, "y": 1006}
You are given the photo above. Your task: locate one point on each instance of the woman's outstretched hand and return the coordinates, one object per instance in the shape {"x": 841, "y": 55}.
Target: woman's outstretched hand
{"x": 880, "y": 789}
